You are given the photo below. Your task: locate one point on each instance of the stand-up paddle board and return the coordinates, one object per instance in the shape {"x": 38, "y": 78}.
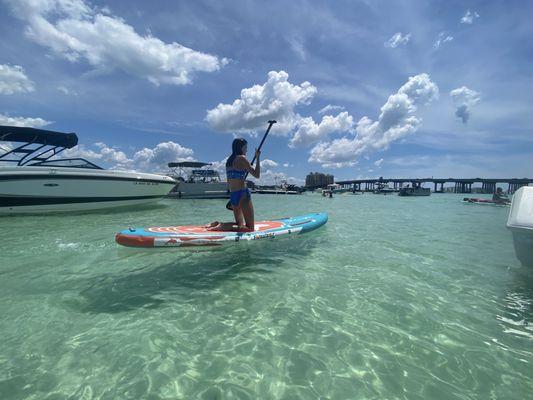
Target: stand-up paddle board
{"x": 172, "y": 236}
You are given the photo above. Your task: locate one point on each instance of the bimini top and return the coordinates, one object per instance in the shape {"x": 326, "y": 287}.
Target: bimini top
{"x": 187, "y": 164}
{"x": 39, "y": 136}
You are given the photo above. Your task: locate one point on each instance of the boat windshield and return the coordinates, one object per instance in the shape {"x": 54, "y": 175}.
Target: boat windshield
{"x": 68, "y": 163}
{"x": 204, "y": 175}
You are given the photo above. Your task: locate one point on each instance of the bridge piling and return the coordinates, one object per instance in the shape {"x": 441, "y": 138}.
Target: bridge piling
{"x": 460, "y": 185}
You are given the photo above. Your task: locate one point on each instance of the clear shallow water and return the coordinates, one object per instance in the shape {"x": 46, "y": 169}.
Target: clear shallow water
{"x": 395, "y": 298}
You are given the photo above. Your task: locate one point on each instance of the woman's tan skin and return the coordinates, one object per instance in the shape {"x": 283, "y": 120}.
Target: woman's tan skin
{"x": 244, "y": 211}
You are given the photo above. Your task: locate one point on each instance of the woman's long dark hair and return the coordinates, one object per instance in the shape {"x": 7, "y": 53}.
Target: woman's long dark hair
{"x": 236, "y": 150}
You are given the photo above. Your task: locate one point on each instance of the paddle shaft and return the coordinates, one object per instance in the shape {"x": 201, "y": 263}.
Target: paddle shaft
{"x": 270, "y": 123}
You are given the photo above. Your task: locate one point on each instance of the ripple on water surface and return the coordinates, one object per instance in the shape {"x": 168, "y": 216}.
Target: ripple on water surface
{"x": 394, "y": 298}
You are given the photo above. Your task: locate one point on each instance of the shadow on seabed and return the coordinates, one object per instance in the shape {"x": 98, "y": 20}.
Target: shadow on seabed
{"x": 192, "y": 272}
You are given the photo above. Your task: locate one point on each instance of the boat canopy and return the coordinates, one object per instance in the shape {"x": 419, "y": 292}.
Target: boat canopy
{"x": 39, "y": 136}
{"x": 207, "y": 173}
{"x": 187, "y": 164}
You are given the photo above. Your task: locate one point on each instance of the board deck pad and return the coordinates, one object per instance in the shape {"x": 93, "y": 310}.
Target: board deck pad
{"x": 200, "y": 235}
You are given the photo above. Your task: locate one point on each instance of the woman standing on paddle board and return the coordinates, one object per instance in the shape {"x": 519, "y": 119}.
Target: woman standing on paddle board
{"x": 237, "y": 167}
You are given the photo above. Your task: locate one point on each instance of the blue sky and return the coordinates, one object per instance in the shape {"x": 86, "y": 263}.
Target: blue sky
{"x": 360, "y": 88}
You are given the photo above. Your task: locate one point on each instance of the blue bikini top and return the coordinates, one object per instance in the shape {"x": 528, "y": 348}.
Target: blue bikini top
{"x": 232, "y": 173}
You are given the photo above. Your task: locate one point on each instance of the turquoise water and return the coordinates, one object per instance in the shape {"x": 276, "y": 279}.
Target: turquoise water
{"x": 395, "y": 298}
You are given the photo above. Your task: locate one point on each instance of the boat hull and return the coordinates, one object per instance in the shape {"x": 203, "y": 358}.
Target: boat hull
{"x": 523, "y": 246}
{"x": 40, "y": 190}
{"x": 200, "y": 190}
{"x": 410, "y": 192}
{"x": 520, "y": 223}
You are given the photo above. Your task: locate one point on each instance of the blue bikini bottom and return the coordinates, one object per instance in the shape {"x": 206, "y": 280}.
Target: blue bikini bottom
{"x": 235, "y": 197}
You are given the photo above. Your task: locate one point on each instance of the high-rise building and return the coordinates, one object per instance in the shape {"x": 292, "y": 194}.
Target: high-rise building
{"x": 317, "y": 179}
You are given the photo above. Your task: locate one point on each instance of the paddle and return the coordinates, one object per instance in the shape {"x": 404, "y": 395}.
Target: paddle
{"x": 270, "y": 123}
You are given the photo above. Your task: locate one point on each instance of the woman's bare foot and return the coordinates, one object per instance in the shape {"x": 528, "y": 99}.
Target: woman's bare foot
{"x": 221, "y": 226}
{"x": 213, "y": 226}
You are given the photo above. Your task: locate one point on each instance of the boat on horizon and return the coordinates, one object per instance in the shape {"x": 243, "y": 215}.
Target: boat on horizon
{"x": 195, "y": 181}
{"x": 414, "y": 191}
{"x": 337, "y": 189}
{"x": 275, "y": 191}
{"x": 482, "y": 201}
{"x": 383, "y": 188}
{"x": 30, "y": 182}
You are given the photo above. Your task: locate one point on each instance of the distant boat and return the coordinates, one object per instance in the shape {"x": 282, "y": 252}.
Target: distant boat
{"x": 284, "y": 188}
{"x": 414, "y": 191}
{"x": 383, "y": 188}
{"x": 336, "y": 188}
{"x": 490, "y": 202}
{"x": 275, "y": 191}
{"x": 196, "y": 183}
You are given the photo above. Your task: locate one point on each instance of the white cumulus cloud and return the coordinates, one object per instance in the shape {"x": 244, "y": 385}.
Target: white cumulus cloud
{"x": 464, "y": 99}
{"x": 275, "y": 99}
{"x": 395, "y": 121}
{"x": 378, "y": 163}
{"x": 146, "y": 160}
{"x": 310, "y": 132}
{"x": 14, "y": 80}
{"x": 397, "y": 39}
{"x": 22, "y": 121}
{"x": 101, "y": 153}
{"x": 156, "y": 159}
{"x": 76, "y": 30}
{"x": 469, "y": 17}
{"x": 330, "y": 108}
{"x": 441, "y": 39}
{"x": 66, "y": 91}
{"x": 267, "y": 163}
{"x": 270, "y": 177}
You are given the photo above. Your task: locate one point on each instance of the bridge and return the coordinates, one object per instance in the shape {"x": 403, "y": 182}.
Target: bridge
{"x": 461, "y": 185}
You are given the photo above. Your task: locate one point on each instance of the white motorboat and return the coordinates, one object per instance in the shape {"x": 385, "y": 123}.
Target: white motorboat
{"x": 383, "y": 188}
{"x": 337, "y": 189}
{"x": 197, "y": 183}
{"x": 520, "y": 223}
{"x": 32, "y": 183}
{"x": 415, "y": 190}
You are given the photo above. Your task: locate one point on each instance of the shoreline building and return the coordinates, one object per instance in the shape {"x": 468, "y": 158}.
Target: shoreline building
{"x": 318, "y": 179}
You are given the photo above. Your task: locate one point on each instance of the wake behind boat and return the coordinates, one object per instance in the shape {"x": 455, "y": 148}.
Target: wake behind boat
{"x": 32, "y": 183}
